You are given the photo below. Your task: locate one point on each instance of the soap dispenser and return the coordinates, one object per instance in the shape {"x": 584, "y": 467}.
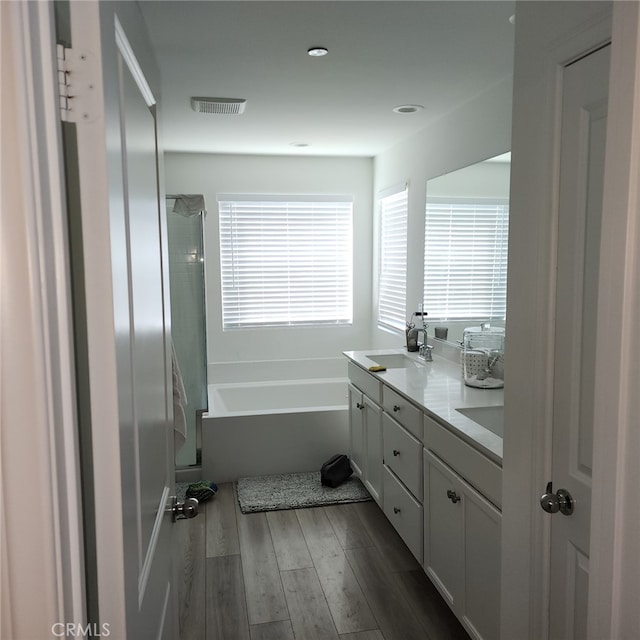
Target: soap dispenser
{"x": 412, "y": 338}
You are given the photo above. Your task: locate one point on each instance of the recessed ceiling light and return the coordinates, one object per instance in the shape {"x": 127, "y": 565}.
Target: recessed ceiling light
{"x": 318, "y": 52}
{"x": 408, "y": 108}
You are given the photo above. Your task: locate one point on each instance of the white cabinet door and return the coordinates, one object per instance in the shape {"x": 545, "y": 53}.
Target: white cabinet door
{"x": 442, "y": 529}
{"x": 482, "y": 548}
{"x": 373, "y": 447}
{"x": 356, "y": 430}
{"x": 462, "y": 534}
{"x": 365, "y": 428}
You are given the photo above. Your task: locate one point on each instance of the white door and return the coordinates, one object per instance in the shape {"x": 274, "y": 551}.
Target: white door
{"x": 128, "y": 347}
{"x": 584, "y": 119}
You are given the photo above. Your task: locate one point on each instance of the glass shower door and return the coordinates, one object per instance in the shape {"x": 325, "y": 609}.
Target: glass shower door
{"x": 188, "y": 320}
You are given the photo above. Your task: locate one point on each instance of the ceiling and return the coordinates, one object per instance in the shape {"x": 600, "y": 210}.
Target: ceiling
{"x": 438, "y": 54}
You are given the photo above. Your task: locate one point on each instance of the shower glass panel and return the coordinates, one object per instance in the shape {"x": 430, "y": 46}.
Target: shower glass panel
{"x": 186, "y": 277}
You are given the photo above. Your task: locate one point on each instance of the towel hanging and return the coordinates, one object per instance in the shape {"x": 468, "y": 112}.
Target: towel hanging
{"x": 188, "y": 204}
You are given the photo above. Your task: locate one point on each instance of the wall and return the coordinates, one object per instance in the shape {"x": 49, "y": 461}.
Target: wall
{"x": 477, "y": 130}
{"x": 483, "y": 180}
{"x": 213, "y": 174}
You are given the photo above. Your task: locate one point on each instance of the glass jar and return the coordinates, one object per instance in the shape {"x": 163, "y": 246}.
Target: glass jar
{"x": 482, "y": 356}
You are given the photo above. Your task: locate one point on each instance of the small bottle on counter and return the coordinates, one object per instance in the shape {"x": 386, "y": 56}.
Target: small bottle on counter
{"x": 412, "y": 339}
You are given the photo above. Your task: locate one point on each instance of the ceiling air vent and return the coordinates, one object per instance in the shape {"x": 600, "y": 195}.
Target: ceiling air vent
{"x": 223, "y": 106}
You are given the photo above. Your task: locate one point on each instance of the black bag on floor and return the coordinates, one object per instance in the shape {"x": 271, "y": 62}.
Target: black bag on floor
{"x": 335, "y": 470}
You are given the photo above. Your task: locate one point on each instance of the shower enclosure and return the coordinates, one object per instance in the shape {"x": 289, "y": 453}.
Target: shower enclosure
{"x": 185, "y": 226}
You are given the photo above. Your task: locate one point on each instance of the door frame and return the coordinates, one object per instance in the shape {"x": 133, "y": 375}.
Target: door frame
{"x": 614, "y": 565}
{"x": 42, "y": 525}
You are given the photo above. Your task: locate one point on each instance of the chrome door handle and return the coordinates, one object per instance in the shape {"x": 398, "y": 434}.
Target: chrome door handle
{"x": 560, "y": 501}
{"x": 183, "y": 510}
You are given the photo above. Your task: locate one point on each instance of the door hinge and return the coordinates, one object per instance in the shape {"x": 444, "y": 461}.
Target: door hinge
{"x": 77, "y": 85}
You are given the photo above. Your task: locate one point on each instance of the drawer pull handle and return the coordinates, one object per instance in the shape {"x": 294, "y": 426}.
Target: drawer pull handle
{"x": 453, "y": 496}
{"x": 396, "y": 407}
{"x": 396, "y": 510}
{"x": 396, "y": 452}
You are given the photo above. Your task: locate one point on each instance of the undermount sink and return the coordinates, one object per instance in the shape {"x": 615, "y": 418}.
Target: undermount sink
{"x": 491, "y": 418}
{"x": 395, "y": 361}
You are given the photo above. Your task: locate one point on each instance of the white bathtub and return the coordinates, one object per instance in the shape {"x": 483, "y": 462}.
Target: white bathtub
{"x": 274, "y": 418}
{"x": 281, "y": 396}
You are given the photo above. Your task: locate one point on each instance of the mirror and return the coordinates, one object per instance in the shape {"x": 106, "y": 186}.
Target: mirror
{"x": 466, "y": 234}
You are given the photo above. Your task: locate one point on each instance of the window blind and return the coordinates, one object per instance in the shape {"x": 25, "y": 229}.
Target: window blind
{"x": 392, "y": 274}
{"x": 285, "y": 261}
{"x": 465, "y": 259}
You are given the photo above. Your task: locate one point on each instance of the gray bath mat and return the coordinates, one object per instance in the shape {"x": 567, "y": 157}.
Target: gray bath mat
{"x": 295, "y": 490}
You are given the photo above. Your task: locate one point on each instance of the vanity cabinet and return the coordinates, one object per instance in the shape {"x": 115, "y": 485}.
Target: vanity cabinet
{"x": 365, "y": 428}
{"x": 441, "y": 493}
{"x": 462, "y": 533}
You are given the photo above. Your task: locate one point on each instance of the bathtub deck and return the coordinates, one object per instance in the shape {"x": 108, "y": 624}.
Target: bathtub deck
{"x": 325, "y": 572}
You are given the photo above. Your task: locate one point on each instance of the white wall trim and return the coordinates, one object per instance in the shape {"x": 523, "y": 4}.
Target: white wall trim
{"x": 42, "y": 535}
{"x": 615, "y": 562}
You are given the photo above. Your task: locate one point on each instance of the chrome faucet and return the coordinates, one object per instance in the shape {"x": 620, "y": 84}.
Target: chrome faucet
{"x": 424, "y": 350}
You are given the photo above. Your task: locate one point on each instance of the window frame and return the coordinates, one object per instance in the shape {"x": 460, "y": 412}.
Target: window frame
{"x": 260, "y": 291}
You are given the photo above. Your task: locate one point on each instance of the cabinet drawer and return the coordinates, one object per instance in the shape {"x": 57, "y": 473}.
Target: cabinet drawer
{"x": 367, "y": 383}
{"x": 403, "y": 454}
{"x": 404, "y": 513}
{"x": 480, "y": 472}
{"x": 407, "y": 414}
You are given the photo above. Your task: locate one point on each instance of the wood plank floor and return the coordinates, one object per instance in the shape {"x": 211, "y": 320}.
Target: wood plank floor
{"x": 338, "y": 572}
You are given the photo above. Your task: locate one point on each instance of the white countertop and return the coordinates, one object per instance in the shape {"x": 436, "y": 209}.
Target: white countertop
{"x": 438, "y": 387}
